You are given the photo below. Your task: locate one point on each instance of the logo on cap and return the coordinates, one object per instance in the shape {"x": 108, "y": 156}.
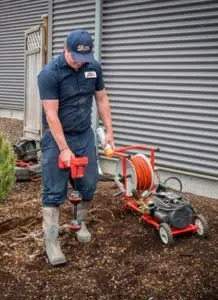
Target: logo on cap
{"x": 83, "y": 48}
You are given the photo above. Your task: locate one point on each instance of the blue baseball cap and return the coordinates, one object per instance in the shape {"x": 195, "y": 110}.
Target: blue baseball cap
{"x": 80, "y": 44}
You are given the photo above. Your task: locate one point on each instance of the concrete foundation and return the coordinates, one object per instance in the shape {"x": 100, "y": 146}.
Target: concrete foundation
{"x": 192, "y": 183}
{"x": 11, "y": 114}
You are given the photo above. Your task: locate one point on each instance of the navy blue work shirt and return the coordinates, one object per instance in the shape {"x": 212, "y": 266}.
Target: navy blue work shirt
{"x": 74, "y": 90}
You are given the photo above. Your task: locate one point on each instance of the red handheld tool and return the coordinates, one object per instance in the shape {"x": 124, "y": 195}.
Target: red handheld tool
{"x": 77, "y": 166}
{"x": 77, "y": 170}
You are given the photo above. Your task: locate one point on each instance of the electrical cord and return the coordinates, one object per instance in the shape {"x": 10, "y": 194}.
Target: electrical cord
{"x": 174, "y": 178}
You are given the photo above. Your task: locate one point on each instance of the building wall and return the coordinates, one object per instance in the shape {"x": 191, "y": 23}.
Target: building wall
{"x": 15, "y": 18}
{"x": 160, "y": 65}
{"x": 64, "y": 16}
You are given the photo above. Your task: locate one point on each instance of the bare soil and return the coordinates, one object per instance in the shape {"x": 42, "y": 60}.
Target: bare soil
{"x": 124, "y": 260}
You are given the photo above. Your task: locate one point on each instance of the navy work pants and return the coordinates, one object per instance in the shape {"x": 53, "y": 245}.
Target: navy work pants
{"x": 55, "y": 180}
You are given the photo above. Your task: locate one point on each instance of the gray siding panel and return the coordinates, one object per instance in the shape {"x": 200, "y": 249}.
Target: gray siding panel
{"x": 69, "y": 15}
{"x": 160, "y": 62}
{"x": 15, "y": 18}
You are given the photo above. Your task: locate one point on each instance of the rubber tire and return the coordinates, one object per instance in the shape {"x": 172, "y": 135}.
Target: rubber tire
{"x": 203, "y": 222}
{"x": 168, "y": 232}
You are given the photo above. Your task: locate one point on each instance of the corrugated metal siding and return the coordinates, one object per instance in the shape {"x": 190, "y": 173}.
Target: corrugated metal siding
{"x": 69, "y": 15}
{"x": 160, "y": 62}
{"x": 15, "y": 18}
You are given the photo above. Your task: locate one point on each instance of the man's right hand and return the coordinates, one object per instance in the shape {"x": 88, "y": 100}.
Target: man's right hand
{"x": 66, "y": 156}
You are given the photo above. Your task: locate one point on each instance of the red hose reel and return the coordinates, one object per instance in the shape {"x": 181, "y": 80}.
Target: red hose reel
{"x": 134, "y": 172}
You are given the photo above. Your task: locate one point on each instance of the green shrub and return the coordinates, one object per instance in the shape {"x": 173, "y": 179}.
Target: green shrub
{"x": 7, "y": 167}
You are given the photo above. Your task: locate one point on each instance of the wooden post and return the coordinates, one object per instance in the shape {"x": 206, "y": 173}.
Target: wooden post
{"x": 45, "y": 26}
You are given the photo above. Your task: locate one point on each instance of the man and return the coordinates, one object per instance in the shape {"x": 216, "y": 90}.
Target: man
{"x": 66, "y": 86}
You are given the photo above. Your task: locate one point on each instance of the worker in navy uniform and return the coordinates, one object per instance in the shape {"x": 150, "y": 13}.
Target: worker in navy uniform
{"x": 67, "y": 85}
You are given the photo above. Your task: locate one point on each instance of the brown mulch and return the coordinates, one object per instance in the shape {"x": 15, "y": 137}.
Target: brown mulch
{"x": 124, "y": 260}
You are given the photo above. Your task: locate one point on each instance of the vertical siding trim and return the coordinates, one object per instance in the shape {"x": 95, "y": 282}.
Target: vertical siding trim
{"x": 98, "y": 28}
{"x": 97, "y": 54}
{"x": 50, "y": 22}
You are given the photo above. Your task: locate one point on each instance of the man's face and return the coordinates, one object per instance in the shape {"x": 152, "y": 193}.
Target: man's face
{"x": 68, "y": 56}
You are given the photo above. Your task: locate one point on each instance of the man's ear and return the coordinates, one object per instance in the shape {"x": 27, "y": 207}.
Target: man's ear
{"x": 65, "y": 46}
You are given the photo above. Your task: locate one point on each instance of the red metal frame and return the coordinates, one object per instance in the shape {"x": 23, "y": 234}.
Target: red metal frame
{"x": 155, "y": 222}
{"x": 130, "y": 202}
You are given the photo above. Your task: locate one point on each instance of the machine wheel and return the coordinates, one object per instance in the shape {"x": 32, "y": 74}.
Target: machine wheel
{"x": 202, "y": 225}
{"x": 165, "y": 234}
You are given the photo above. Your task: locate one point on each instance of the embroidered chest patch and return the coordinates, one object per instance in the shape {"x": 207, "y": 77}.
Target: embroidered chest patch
{"x": 90, "y": 74}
